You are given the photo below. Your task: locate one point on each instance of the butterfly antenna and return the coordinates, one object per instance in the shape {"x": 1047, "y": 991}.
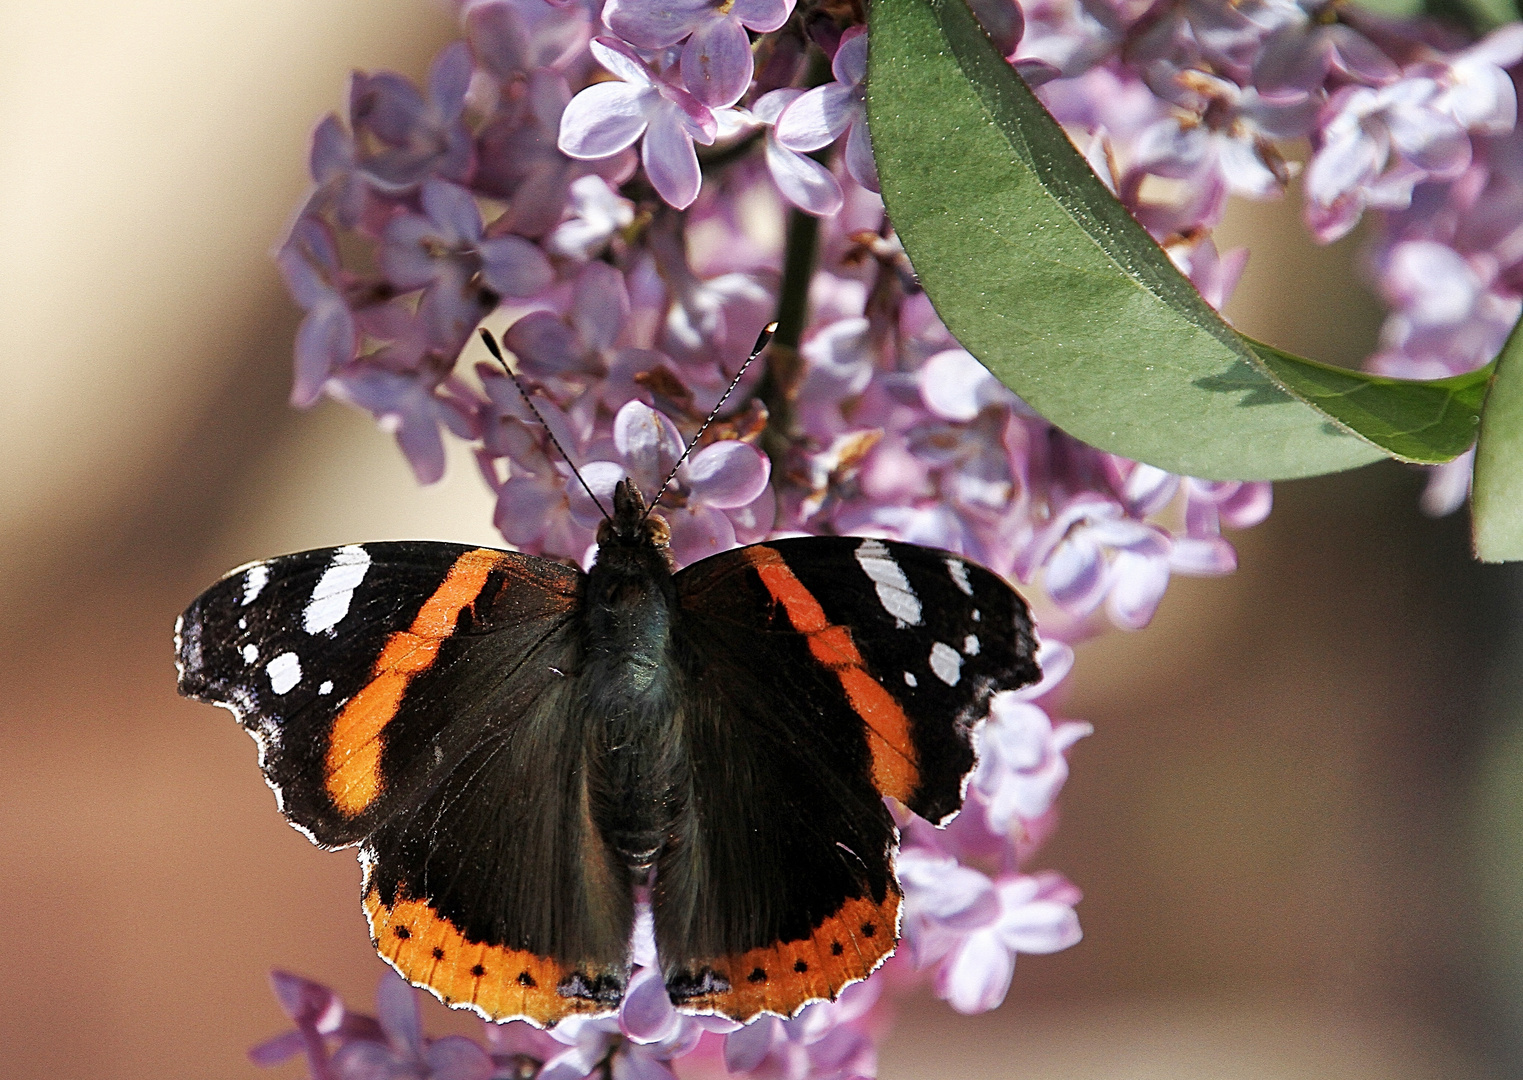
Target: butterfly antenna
{"x": 756, "y": 350}
{"x": 491, "y": 344}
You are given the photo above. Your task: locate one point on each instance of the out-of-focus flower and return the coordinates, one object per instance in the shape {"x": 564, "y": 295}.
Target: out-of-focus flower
{"x": 403, "y": 1053}
{"x": 417, "y": 137}
{"x": 327, "y": 338}
{"x": 971, "y": 927}
{"x": 1022, "y": 754}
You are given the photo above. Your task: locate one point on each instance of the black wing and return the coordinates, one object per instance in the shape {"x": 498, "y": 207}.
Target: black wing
{"x": 820, "y": 674}
{"x": 411, "y": 697}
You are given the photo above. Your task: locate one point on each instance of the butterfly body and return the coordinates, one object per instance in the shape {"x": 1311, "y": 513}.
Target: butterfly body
{"x": 516, "y": 746}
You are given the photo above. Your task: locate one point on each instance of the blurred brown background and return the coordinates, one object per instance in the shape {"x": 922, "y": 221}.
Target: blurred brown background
{"x": 1297, "y": 823}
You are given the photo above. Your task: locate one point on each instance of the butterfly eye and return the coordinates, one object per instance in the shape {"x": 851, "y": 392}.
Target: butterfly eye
{"x": 658, "y": 531}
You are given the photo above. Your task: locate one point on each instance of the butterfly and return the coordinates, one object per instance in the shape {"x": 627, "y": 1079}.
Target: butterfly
{"x": 517, "y": 746}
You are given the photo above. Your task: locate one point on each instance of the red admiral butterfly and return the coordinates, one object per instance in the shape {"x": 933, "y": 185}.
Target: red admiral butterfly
{"x": 515, "y": 745}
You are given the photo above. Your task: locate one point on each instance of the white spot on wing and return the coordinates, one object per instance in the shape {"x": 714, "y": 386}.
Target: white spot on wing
{"x": 959, "y": 572}
{"x": 970, "y": 645}
{"x": 250, "y": 654}
{"x": 254, "y": 582}
{"x": 894, "y": 591}
{"x": 284, "y": 672}
{"x": 946, "y": 665}
{"x": 335, "y": 589}
{"x": 326, "y": 687}
{"x": 978, "y": 616}
{"x": 910, "y": 680}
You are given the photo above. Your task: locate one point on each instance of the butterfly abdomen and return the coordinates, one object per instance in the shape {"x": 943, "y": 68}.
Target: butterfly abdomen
{"x": 627, "y": 687}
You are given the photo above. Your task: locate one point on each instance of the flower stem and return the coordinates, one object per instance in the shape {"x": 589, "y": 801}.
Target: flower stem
{"x": 781, "y": 375}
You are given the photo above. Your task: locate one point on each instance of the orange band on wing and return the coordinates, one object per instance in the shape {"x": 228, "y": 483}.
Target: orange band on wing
{"x": 895, "y": 770}
{"x": 782, "y": 978}
{"x": 354, "y": 746}
{"x": 497, "y": 982}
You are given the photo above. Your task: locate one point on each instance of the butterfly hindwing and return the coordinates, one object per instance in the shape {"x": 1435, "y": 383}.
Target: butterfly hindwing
{"x": 413, "y": 697}
{"x": 819, "y": 675}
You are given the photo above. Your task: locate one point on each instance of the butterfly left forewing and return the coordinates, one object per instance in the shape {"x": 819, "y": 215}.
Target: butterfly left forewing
{"x": 312, "y": 652}
{"x": 777, "y": 888}
{"x": 414, "y": 698}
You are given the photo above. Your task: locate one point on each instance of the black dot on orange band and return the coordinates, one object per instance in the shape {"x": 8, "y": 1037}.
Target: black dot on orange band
{"x": 525, "y": 979}
{"x": 757, "y": 975}
{"x": 836, "y": 949}
{"x": 403, "y": 933}
{"x": 868, "y": 929}
{"x": 438, "y": 953}
{"x": 478, "y": 971}
{"x": 800, "y": 967}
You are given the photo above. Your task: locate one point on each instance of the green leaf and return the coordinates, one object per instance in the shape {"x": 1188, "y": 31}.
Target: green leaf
{"x": 1044, "y": 276}
{"x": 1496, "y": 495}
{"x": 1476, "y": 16}
{"x": 1427, "y": 422}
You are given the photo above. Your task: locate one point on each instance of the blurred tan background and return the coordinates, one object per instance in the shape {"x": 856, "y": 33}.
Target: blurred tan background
{"x": 1299, "y": 823}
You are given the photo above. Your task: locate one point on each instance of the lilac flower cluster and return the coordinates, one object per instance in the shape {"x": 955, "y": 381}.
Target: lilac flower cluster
{"x": 1181, "y": 104}
{"x": 604, "y": 181}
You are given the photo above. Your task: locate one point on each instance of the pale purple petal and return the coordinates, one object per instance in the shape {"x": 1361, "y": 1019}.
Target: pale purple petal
{"x": 726, "y": 474}
{"x": 512, "y": 266}
{"x": 455, "y": 1057}
{"x": 1248, "y": 505}
{"x": 770, "y": 105}
{"x": 940, "y": 889}
{"x": 803, "y": 181}
{"x": 1076, "y": 576}
{"x": 546, "y": 346}
{"x": 670, "y": 161}
{"x": 367, "y": 1061}
{"x": 524, "y": 504}
{"x": 1448, "y": 486}
{"x": 396, "y": 1006}
{"x": 859, "y": 155}
{"x": 753, "y": 522}
{"x": 282, "y": 1047}
{"x": 601, "y": 477}
{"x": 763, "y": 16}
{"x": 1039, "y": 927}
{"x": 646, "y": 1014}
{"x": 747, "y": 1048}
{"x": 716, "y": 62}
{"x": 1202, "y": 556}
{"x": 818, "y": 117}
{"x": 453, "y": 211}
{"x": 698, "y": 532}
{"x": 603, "y": 119}
{"x": 406, "y": 253}
{"x": 656, "y": 25}
{"x": 448, "y": 79}
{"x": 387, "y": 105}
{"x": 977, "y": 976}
{"x": 648, "y": 443}
{"x": 1137, "y": 585}
{"x": 956, "y": 386}
{"x": 599, "y": 303}
{"x": 850, "y": 63}
{"x": 325, "y": 341}
{"x": 633, "y": 1064}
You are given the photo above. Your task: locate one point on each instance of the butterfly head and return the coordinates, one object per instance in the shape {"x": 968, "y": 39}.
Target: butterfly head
{"x": 632, "y": 525}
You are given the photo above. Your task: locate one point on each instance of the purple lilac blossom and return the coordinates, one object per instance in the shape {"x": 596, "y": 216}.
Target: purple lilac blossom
{"x": 548, "y": 177}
